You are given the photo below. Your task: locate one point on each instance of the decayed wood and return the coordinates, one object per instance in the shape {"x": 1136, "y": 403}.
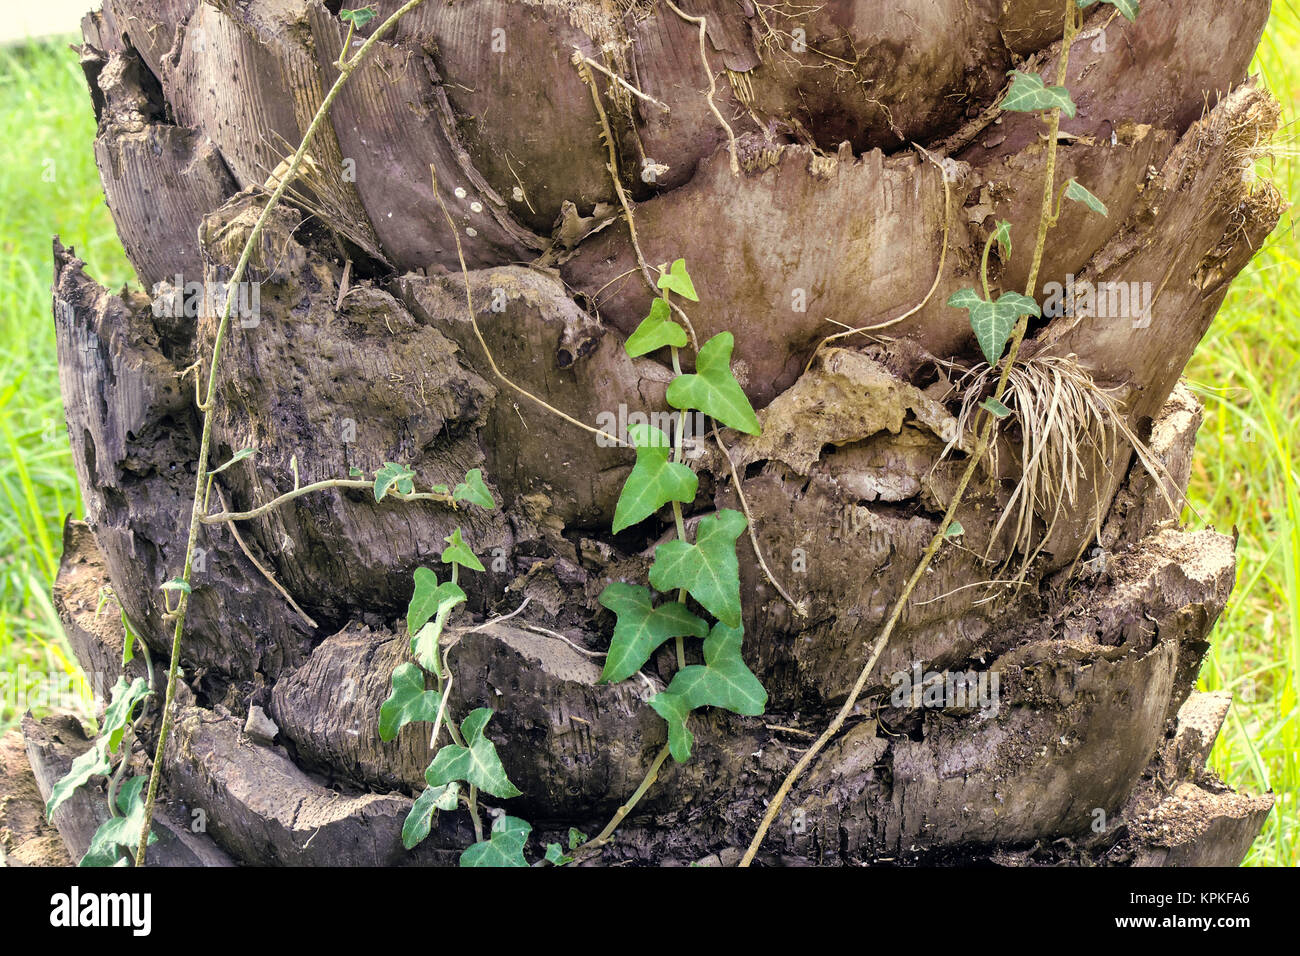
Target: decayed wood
{"x": 543, "y": 342}
{"x": 259, "y": 121}
{"x": 52, "y": 745}
{"x": 266, "y": 810}
{"x": 132, "y": 428}
{"x": 1083, "y": 674}
{"x": 90, "y": 616}
{"x": 159, "y": 180}
{"x": 26, "y": 839}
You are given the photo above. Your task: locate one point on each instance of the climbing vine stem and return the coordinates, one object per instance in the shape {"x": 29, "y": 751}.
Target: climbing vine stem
{"x": 986, "y": 434}
{"x": 346, "y": 66}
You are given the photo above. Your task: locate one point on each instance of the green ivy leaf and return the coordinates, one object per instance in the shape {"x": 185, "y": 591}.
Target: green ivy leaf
{"x": 955, "y": 529}
{"x": 116, "y": 833}
{"x": 428, "y": 597}
{"x": 708, "y": 569}
{"x": 1003, "y": 236}
{"x": 504, "y": 847}
{"x": 1079, "y": 193}
{"x": 393, "y": 475}
{"x": 424, "y": 643}
{"x": 93, "y": 763}
{"x": 1127, "y": 7}
{"x": 713, "y": 389}
{"x": 1029, "y": 94}
{"x": 474, "y": 490}
{"x": 678, "y": 280}
{"x": 129, "y": 637}
{"x": 118, "y": 713}
{"x": 355, "y": 472}
{"x": 476, "y": 763}
{"x": 458, "y": 552}
{"x": 176, "y": 584}
{"x": 641, "y": 628}
{"x": 655, "y": 331}
{"x": 576, "y": 838}
{"x": 408, "y": 702}
{"x": 359, "y": 17}
{"x": 994, "y": 321}
{"x": 237, "y": 456}
{"x": 964, "y": 299}
{"x": 419, "y": 821}
{"x": 723, "y": 680}
{"x": 555, "y": 855}
{"x": 995, "y": 408}
{"x": 654, "y": 481}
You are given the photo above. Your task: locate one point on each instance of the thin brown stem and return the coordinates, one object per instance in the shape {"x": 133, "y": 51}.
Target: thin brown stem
{"x": 986, "y": 435}
{"x": 357, "y": 483}
{"x": 205, "y": 441}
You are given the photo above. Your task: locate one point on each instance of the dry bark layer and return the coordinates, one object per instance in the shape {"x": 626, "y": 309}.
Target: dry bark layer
{"x": 1092, "y": 717}
{"x": 363, "y": 352}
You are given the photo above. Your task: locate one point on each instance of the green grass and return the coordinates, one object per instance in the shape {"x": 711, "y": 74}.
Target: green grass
{"x": 49, "y": 184}
{"x": 1245, "y": 371}
{"x": 1245, "y": 474}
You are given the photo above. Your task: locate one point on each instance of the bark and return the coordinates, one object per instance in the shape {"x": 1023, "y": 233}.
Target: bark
{"x": 363, "y": 353}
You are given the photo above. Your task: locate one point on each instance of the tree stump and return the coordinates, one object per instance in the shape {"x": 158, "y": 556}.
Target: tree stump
{"x": 1092, "y": 750}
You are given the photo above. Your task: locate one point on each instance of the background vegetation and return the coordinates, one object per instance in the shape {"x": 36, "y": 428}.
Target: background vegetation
{"x": 1247, "y": 372}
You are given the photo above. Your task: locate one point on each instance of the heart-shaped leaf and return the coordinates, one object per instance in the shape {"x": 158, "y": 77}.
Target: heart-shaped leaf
{"x": 993, "y": 322}
{"x": 419, "y": 821}
{"x": 476, "y": 763}
{"x": 723, "y": 680}
{"x": 1003, "y": 236}
{"x": 655, "y": 331}
{"x": 1079, "y": 193}
{"x": 474, "y": 490}
{"x": 1029, "y": 94}
{"x": 708, "y": 569}
{"x": 118, "y": 713}
{"x": 504, "y": 847}
{"x": 93, "y": 763}
{"x": 555, "y": 855}
{"x": 119, "y": 832}
{"x": 458, "y": 552}
{"x": 428, "y": 596}
{"x": 654, "y": 481}
{"x": 713, "y": 389}
{"x": 678, "y": 280}
{"x": 391, "y": 476}
{"x": 359, "y": 17}
{"x": 409, "y": 702}
{"x": 641, "y": 628}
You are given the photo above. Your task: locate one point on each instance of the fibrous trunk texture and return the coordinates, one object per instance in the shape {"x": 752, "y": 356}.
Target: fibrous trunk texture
{"x": 1093, "y": 747}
